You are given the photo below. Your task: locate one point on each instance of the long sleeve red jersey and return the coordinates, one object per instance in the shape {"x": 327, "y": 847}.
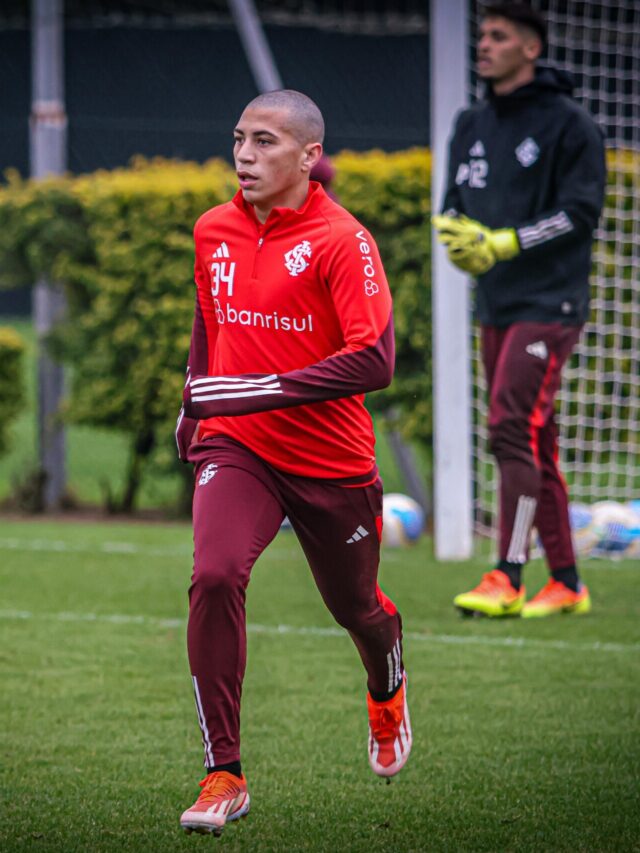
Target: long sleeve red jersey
{"x": 292, "y": 326}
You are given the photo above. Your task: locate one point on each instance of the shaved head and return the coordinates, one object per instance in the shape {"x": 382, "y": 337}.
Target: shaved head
{"x": 305, "y": 119}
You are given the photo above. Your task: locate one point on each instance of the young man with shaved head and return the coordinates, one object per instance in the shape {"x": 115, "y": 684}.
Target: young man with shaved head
{"x": 524, "y": 194}
{"x": 292, "y": 326}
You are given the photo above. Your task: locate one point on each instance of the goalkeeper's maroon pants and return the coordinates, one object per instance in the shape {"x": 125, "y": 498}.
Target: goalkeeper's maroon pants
{"x": 523, "y": 364}
{"x": 239, "y": 504}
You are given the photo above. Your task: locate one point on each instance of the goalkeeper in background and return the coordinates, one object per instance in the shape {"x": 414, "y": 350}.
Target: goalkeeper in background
{"x": 524, "y": 193}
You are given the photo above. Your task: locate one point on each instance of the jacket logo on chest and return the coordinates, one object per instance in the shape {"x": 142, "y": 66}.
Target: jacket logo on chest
{"x": 295, "y": 260}
{"x": 527, "y": 152}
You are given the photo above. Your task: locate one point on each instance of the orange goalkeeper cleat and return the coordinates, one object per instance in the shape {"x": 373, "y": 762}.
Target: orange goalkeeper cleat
{"x": 224, "y": 797}
{"x": 554, "y": 598}
{"x": 389, "y": 733}
{"x": 494, "y": 596}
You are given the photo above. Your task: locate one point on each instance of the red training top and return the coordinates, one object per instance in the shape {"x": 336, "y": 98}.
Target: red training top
{"x": 292, "y": 326}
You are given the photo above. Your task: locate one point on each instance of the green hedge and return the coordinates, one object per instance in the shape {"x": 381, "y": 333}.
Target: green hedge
{"x": 390, "y": 194}
{"x": 121, "y": 242}
{"x": 607, "y": 384}
{"x": 12, "y": 393}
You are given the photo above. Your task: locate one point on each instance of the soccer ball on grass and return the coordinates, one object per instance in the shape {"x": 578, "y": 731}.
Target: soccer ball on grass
{"x": 616, "y": 528}
{"x": 402, "y": 520}
{"x": 583, "y": 533}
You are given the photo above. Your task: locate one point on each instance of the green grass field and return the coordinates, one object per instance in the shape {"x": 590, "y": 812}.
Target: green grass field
{"x": 526, "y": 732}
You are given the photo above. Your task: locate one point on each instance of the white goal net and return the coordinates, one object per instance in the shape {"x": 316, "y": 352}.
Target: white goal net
{"x": 599, "y": 403}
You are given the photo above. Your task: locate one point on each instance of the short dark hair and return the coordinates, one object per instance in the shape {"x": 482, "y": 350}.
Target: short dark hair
{"x": 519, "y": 13}
{"x": 307, "y": 123}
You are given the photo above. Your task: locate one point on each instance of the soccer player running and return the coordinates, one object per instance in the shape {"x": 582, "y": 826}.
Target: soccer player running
{"x": 292, "y": 326}
{"x": 524, "y": 193}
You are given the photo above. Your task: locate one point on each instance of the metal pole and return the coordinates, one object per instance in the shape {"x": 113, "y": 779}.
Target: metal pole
{"x": 48, "y": 139}
{"x": 453, "y": 512}
{"x": 405, "y": 459}
{"x": 256, "y": 46}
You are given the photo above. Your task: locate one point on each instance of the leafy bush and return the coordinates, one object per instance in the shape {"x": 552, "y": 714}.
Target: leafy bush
{"x": 12, "y": 392}
{"x": 122, "y": 244}
{"x": 390, "y": 194}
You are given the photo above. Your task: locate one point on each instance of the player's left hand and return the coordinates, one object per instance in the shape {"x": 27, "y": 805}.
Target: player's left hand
{"x": 473, "y": 247}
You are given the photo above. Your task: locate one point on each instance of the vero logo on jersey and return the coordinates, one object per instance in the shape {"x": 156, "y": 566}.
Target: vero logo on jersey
{"x": 370, "y": 286}
{"x": 295, "y": 260}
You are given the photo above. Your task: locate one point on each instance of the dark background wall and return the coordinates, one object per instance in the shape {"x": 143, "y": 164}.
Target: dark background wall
{"x": 171, "y": 79}
{"x": 177, "y": 92}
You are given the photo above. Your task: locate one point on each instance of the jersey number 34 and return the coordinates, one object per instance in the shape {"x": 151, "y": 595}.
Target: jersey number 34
{"x": 220, "y": 275}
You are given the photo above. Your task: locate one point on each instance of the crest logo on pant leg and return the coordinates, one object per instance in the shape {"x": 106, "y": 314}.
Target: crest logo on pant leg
{"x": 208, "y": 474}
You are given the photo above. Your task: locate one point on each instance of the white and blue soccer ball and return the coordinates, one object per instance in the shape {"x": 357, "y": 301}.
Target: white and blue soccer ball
{"x": 402, "y": 520}
{"x": 616, "y": 529}
{"x": 584, "y": 536}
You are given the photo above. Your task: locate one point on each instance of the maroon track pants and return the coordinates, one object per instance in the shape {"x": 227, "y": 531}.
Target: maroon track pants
{"x": 238, "y": 506}
{"x": 523, "y": 365}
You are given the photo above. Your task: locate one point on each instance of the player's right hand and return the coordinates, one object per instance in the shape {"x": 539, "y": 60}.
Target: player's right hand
{"x": 187, "y": 430}
{"x": 473, "y": 247}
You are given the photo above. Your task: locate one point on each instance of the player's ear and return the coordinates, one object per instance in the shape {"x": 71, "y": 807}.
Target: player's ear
{"x": 312, "y": 154}
{"x": 532, "y": 48}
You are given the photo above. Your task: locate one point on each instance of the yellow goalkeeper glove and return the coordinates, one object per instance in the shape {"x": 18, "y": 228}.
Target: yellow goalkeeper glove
{"x": 473, "y": 247}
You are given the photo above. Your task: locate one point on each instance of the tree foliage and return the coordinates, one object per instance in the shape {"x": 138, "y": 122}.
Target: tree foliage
{"x": 12, "y": 392}
{"x": 121, "y": 243}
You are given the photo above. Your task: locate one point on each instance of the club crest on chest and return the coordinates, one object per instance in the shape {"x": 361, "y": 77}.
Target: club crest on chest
{"x": 527, "y": 152}
{"x": 295, "y": 260}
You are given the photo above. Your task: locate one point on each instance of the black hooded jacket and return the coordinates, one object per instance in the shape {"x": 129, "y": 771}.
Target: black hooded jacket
{"x": 532, "y": 160}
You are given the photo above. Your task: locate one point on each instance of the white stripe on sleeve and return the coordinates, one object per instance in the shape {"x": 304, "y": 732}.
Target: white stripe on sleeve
{"x": 203, "y": 398}
{"x": 262, "y": 380}
{"x": 544, "y": 230}
{"x": 233, "y": 387}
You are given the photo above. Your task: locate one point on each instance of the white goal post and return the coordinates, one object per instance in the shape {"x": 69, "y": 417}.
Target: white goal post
{"x": 452, "y": 513}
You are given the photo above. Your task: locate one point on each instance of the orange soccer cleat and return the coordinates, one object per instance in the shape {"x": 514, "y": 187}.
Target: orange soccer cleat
{"x": 494, "y": 596}
{"x": 224, "y": 797}
{"x": 389, "y": 732}
{"x": 554, "y": 598}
